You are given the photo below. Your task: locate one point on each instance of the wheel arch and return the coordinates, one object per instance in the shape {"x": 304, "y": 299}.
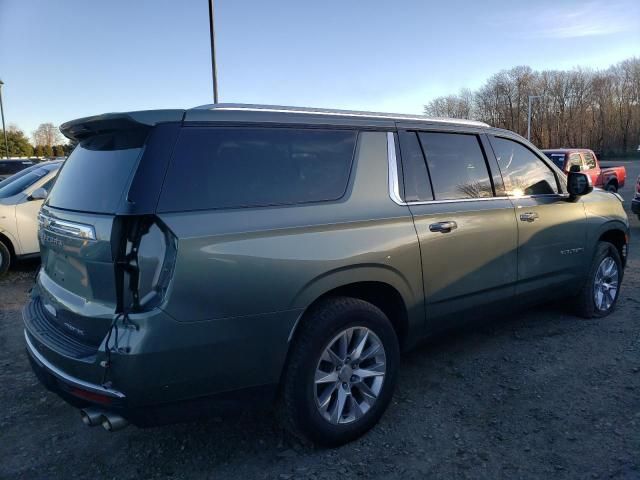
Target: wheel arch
{"x": 380, "y": 285}
{"x": 8, "y": 242}
{"x": 618, "y": 237}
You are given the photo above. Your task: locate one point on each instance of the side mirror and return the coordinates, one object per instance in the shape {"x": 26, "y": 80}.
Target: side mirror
{"x": 578, "y": 184}
{"x": 39, "y": 194}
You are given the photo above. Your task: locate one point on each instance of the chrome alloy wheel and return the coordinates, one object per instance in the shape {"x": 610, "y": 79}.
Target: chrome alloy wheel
{"x": 605, "y": 285}
{"x": 349, "y": 375}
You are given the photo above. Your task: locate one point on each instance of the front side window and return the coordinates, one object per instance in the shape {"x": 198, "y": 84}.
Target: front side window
{"x": 522, "y": 171}
{"x": 456, "y": 166}
{"x": 589, "y": 160}
{"x": 231, "y": 167}
{"x": 575, "y": 160}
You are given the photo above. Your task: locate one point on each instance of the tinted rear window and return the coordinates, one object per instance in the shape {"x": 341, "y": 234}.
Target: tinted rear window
{"x": 98, "y": 173}
{"x": 229, "y": 167}
{"x": 456, "y": 165}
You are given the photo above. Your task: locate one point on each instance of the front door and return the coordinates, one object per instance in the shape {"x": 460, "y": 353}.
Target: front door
{"x": 468, "y": 236}
{"x": 551, "y": 228}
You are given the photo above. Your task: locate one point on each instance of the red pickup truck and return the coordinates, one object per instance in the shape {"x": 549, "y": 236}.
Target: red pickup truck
{"x": 608, "y": 178}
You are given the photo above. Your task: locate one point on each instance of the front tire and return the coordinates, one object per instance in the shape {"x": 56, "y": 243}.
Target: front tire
{"x": 5, "y": 259}
{"x": 599, "y": 294}
{"x": 341, "y": 373}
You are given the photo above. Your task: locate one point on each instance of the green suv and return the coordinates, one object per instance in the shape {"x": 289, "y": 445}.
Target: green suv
{"x": 237, "y": 254}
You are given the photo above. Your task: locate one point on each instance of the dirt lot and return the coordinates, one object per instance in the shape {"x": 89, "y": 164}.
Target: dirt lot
{"x": 541, "y": 395}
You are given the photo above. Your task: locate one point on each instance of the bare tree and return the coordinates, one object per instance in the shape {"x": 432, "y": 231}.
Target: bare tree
{"x": 47, "y": 135}
{"x": 578, "y": 108}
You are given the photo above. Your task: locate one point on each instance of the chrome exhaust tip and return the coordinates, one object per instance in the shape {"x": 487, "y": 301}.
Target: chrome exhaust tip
{"x": 112, "y": 422}
{"x": 91, "y": 416}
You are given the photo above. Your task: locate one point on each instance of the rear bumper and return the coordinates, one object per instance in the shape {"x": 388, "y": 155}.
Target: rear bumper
{"x": 166, "y": 371}
{"x": 635, "y": 206}
{"x": 69, "y": 388}
{"x": 74, "y": 391}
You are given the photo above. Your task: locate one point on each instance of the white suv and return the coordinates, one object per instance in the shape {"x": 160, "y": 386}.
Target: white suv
{"x": 21, "y": 197}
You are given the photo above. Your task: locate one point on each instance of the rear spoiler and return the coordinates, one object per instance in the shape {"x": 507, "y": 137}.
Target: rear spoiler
{"x": 82, "y": 128}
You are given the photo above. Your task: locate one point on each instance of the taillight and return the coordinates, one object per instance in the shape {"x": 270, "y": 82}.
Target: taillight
{"x": 145, "y": 256}
{"x": 156, "y": 259}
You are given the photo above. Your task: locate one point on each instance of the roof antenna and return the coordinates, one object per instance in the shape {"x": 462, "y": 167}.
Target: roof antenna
{"x": 213, "y": 53}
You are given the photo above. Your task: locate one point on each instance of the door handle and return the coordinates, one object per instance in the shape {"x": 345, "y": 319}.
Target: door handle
{"x": 443, "y": 227}
{"x": 528, "y": 217}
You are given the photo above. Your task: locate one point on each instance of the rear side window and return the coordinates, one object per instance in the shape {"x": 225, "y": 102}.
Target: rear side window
{"x": 457, "y": 166}
{"x": 557, "y": 158}
{"x": 417, "y": 187}
{"x": 523, "y": 172}
{"x": 226, "y": 167}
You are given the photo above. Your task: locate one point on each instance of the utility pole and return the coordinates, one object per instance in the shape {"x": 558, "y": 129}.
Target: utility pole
{"x": 213, "y": 53}
{"x": 4, "y": 128}
{"x": 531, "y": 97}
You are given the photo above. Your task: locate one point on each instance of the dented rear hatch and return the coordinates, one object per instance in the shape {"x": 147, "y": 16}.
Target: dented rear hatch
{"x": 97, "y": 228}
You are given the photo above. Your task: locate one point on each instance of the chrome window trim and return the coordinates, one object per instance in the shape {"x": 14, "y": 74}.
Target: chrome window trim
{"x": 65, "y": 228}
{"x": 65, "y": 377}
{"x": 394, "y": 184}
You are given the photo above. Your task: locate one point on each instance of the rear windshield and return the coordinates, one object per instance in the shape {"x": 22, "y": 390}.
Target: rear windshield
{"x": 557, "y": 158}
{"x": 225, "y": 167}
{"x": 24, "y": 179}
{"x": 98, "y": 172}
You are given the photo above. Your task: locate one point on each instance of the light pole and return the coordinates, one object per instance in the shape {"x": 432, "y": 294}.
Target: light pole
{"x": 4, "y": 128}
{"x": 213, "y": 53}
{"x": 531, "y": 97}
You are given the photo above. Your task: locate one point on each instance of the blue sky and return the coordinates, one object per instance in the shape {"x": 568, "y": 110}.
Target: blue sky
{"x": 65, "y": 59}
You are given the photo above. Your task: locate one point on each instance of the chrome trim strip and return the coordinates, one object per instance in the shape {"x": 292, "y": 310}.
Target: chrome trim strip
{"x": 394, "y": 184}
{"x": 338, "y": 113}
{"x": 63, "y": 227}
{"x": 56, "y": 372}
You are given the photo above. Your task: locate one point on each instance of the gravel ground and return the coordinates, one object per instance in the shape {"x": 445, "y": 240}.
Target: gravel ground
{"x": 539, "y": 395}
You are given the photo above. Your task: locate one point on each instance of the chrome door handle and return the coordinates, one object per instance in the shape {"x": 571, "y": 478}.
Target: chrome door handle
{"x": 528, "y": 217}
{"x": 443, "y": 227}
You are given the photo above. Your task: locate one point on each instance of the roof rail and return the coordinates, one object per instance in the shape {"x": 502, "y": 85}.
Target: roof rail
{"x": 335, "y": 112}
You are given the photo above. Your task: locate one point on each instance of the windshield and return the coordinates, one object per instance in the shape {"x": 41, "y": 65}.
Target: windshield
{"x": 98, "y": 172}
{"x": 24, "y": 179}
{"x": 557, "y": 159}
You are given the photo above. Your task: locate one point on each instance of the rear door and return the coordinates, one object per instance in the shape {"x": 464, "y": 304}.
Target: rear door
{"x": 467, "y": 233}
{"x": 551, "y": 229}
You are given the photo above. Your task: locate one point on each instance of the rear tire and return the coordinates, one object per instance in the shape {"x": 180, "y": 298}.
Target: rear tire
{"x": 597, "y": 298}
{"x": 5, "y": 259}
{"x": 328, "y": 396}
{"x": 611, "y": 188}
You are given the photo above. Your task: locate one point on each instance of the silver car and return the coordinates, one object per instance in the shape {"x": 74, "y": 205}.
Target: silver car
{"x": 21, "y": 197}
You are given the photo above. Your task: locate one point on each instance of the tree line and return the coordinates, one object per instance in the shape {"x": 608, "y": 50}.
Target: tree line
{"x": 47, "y": 142}
{"x": 596, "y": 109}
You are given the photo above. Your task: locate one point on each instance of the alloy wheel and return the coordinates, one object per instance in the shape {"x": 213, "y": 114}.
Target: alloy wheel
{"x": 349, "y": 375}
{"x": 605, "y": 286}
